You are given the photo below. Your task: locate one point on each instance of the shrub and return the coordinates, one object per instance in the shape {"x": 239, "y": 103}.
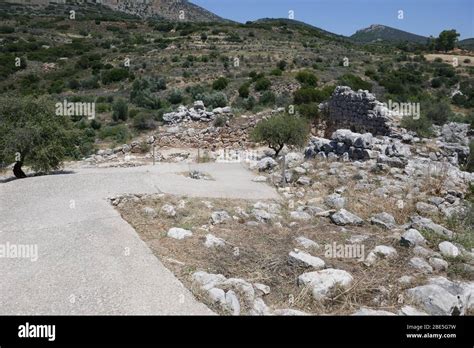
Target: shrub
{"x": 220, "y": 84}
{"x": 95, "y": 124}
{"x": 354, "y": 82}
{"x": 175, "y": 97}
{"x": 220, "y": 121}
{"x": 276, "y": 72}
{"x": 282, "y": 65}
{"x": 438, "y": 112}
{"x": 213, "y": 100}
{"x": 262, "y": 84}
{"x": 120, "y": 110}
{"x": 244, "y": 90}
{"x": 119, "y": 133}
{"x": 267, "y": 98}
{"x": 281, "y": 130}
{"x": 114, "y": 75}
{"x": 307, "y": 95}
{"x": 422, "y": 126}
{"x": 307, "y": 78}
{"x": 309, "y": 111}
{"x": 144, "y": 121}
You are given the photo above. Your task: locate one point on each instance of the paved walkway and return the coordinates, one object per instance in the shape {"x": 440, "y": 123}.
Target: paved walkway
{"x": 90, "y": 261}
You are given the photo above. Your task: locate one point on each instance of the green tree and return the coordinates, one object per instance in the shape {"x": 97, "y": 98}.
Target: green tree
{"x": 281, "y": 130}
{"x": 446, "y": 40}
{"x": 120, "y": 110}
{"x": 31, "y": 133}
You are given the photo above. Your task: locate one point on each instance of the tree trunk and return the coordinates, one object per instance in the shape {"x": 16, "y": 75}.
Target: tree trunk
{"x": 20, "y": 174}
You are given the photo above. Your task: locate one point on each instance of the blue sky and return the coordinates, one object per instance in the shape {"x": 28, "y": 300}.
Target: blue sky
{"x": 423, "y": 17}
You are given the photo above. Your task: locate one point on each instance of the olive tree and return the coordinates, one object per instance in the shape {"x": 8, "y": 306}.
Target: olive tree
{"x": 31, "y": 133}
{"x": 281, "y": 130}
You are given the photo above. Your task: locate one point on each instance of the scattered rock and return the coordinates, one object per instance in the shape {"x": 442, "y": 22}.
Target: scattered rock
{"x": 448, "y": 249}
{"x": 426, "y": 224}
{"x": 421, "y": 265}
{"x": 217, "y": 295}
{"x": 266, "y": 163}
{"x": 306, "y": 243}
{"x": 325, "y": 281}
{"x": 232, "y": 302}
{"x": 179, "y": 233}
{"x": 168, "y": 210}
{"x": 213, "y": 241}
{"x": 207, "y": 280}
{"x": 261, "y": 289}
{"x": 380, "y": 251}
{"x": 438, "y": 264}
{"x": 335, "y": 201}
{"x": 300, "y": 215}
{"x": 413, "y": 237}
{"x": 343, "y": 217}
{"x": 384, "y": 220}
{"x": 148, "y": 211}
{"x": 300, "y": 258}
{"x": 219, "y": 217}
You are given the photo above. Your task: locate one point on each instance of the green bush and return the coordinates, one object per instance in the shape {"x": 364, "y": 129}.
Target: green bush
{"x": 309, "y": 111}
{"x": 220, "y": 84}
{"x": 119, "y": 133}
{"x": 276, "y": 72}
{"x": 438, "y": 112}
{"x": 267, "y": 98}
{"x": 144, "y": 121}
{"x": 308, "y": 95}
{"x": 262, "y": 84}
{"x": 114, "y": 75}
{"x": 175, "y": 97}
{"x": 244, "y": 90}
{"x": 220, "y": 121}
{"x": 307, "y": 78}
{"x": 422, "y": 126}
{"x": 354, "y": 82}
{"x": 213, "y": 100}
{"x": 281, "y": 130}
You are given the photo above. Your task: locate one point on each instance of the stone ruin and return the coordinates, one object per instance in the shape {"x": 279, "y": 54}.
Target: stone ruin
{"x": 358, "y": 111}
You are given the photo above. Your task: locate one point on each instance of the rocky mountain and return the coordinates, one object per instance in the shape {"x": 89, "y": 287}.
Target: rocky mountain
{"x": 382, "y": 33}
{"x": 166, "y": 9}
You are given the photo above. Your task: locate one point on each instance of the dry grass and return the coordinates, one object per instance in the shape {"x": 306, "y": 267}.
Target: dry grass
{"x": 260, "y": 254}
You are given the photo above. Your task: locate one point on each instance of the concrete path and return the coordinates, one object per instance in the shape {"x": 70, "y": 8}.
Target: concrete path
{"x": 90, "y": 261}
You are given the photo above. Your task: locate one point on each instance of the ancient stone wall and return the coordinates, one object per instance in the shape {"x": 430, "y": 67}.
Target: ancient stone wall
{"x": 357, "y": 111}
